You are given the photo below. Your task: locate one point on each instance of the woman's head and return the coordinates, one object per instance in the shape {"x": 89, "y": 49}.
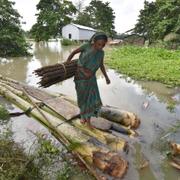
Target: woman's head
{"x": 99, "y": 40}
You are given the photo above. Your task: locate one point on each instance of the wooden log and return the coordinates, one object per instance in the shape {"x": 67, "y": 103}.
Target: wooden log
{"x": 120, "y": 116}
{"x": 175, "y": 148}
{"x": 114, "y": 114}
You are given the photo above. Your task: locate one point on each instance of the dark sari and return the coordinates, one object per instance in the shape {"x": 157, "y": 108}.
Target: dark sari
{"x": 88, "y": 97}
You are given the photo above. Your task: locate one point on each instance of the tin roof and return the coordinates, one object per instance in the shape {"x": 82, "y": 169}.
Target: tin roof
{"x": 83, "y": 27}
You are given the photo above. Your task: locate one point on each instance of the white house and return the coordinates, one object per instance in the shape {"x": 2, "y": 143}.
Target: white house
{"x": 77, "y": 32}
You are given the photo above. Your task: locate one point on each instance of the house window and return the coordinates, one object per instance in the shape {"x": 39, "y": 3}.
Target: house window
{"x": 70, "y": 36}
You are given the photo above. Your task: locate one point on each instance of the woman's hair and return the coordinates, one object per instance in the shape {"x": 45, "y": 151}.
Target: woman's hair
{"x": 98, "y": 36}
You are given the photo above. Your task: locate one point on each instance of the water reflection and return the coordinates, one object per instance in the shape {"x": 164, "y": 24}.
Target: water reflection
{"x": 31, "y": 79}
{"x": 16, "y": 68}
{"x": 164, "y": 93}
{"x": 51, "y": 52}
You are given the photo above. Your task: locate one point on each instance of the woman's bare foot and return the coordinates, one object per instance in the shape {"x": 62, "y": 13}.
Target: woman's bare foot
{"x": 89, "y": 124}
{"x": 83, "y": 121}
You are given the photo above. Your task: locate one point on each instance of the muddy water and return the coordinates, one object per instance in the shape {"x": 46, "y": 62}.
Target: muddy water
{"x": 149, "y": 100}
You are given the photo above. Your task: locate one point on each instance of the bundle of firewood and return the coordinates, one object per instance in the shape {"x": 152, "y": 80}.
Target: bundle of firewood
{"x": 53, "y": 74}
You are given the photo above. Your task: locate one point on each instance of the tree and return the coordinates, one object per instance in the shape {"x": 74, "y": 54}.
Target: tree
{"x": 52, "y": 16}
{"x": 12, "y": 40}
{"x": 158, "y": 19}
{"x": 98, "y": 15}
{"x": 147, "y": 21}
{"x": 169, "y": 17}
{"x": 84, "y": 18}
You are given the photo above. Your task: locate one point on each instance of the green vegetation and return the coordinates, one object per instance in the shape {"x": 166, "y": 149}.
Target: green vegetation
{"x": 45, "y": 160}
{"x": 175, "y": 128}
{"x": 152, "y": 64}
{"x": 4, "y": 114}
{"x": 12, "y": 40}
{"x": 98, "y": 15}
{"x": 13, "y": 161}
{"x": 158, "y": 19}
{"x": 67, "y": 42}
{"x": 171, "y": 106}
{"x": 52, "y": 16}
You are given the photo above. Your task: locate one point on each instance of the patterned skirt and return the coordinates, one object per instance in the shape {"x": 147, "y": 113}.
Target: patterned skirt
{"x": 88, "y": 97}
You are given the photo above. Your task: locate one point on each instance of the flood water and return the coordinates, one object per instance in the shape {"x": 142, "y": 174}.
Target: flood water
{"x": 149, "y": 100}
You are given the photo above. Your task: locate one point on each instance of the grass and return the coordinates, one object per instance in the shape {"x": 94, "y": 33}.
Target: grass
{"x": 14, "y": 163}
{"x": 68, "y": 42}
{"x": 152, "y": 64}
{"x": 4, "y": 114}
{"x": 44, "y": 160}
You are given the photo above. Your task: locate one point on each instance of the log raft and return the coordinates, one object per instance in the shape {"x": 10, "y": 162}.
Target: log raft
{"x": 96, "y": 148}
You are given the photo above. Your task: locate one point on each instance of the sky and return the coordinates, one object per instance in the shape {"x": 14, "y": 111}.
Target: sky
{"x": 126, "y": 12}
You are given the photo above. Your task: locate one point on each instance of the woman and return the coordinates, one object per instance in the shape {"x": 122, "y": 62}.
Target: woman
{"x": 90, "y": 60}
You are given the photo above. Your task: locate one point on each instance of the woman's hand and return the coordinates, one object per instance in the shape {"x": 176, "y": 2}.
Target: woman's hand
{"x": 108, "y": 80}
{"x": 87, "y": 73}
{"x": 78, "y": 50}
{"x": 104, "y": 73}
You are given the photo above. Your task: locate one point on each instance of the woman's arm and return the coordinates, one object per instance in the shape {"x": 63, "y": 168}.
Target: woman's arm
{"x": 104, "y": 73}
{"x": 85, "y": 71}
{"x": 78, "y": 50}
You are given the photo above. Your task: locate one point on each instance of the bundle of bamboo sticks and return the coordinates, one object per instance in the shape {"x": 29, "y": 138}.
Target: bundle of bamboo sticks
{"x": 53, "y": 74}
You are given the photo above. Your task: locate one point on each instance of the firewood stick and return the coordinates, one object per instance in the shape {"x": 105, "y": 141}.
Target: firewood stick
{"x": 57, "y": 68}
{"x": 58, "y": 73}
{"x": 54, "y": 67}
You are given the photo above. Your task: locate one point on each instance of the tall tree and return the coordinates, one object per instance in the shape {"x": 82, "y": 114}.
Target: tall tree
{"x": 98, "y": 15}
{"x": 52, "y": 16}
{"x": 147, "y": 20}
{"x": 84, "y": 18}
{"x": 168, "y": 18}
{"x": 12, "y": 40}
{"x": 158, "y": 19}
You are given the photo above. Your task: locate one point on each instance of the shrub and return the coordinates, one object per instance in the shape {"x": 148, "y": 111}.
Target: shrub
{"x": 67, "y": 42}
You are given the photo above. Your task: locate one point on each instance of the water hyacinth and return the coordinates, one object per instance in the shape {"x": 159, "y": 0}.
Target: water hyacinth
{"x": 152, "y": 64}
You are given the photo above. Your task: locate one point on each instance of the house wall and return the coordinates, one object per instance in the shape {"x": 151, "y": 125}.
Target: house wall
{"x": 70, "y": 29}
{"x": 85, "y": 34}
{"x": 76, "y": 33}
